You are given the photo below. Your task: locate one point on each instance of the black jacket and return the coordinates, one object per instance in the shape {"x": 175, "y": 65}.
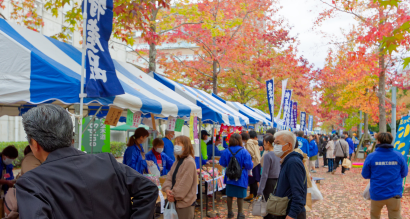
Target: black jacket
{"x": 292, "y": 182}
{"x": 71, "y": 184}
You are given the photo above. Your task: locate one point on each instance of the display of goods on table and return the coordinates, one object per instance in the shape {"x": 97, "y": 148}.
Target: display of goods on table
{"x": 357, "y": 165}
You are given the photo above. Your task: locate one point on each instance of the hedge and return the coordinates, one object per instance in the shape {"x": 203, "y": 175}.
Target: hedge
{"x": 117, "y": 149}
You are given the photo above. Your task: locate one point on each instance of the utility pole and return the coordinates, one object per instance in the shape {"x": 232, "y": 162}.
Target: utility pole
{"x": 361, "y": 126}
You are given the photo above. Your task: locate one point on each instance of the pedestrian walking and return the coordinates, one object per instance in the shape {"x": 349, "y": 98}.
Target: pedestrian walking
{"x": 253, "y": 148}
{"x": 182, "y": 181}
{"x": 330, "y": 147}
{"x": 340, "y": 152}
{"x": 324, "y": 150}
{"x": 292, "y": 180}
{"x": 270, "y": 172}
{"x": 350, "y": 142}
{"x": 72, "y": 184}
{"x": 386, "y": 169}
{"x": 313, "y": 150}
{"x": 236, "y": 187}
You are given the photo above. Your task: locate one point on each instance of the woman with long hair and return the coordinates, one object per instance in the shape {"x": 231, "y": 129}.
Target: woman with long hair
{"x": 182, "y": 181}
{"x": 236, "y": 187}
{"x": 134, "y": 155}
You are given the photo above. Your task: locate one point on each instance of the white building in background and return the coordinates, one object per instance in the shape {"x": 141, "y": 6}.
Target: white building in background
{"x": 11, "y": 128}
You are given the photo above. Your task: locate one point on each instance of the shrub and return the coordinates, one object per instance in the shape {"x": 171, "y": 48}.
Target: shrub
{"x": 117, "y": 149}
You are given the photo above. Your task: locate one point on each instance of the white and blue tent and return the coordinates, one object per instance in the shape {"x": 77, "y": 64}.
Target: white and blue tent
{"x": 36, "y": 69}
{"x": 213, "y": 111}
{"x": 254, "y": 118}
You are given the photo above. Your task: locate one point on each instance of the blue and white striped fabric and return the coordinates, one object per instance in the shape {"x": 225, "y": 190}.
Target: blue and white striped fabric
{"x": 254, "y": 118}
{"x": 36, "y": 69}
{"x": 213, "y": 111}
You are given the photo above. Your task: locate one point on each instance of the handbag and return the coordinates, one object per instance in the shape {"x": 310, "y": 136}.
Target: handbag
{"x": 366, "y": 192}
{"x": 277, "y": 206}
{"x": 346, "y": 162}
{"x": 259, "y": 207}
{"x": 170, "y": 213}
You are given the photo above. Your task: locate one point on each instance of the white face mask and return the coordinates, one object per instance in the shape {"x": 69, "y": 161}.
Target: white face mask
{"x": 159, "y": 150}
{"x": 277, "y": 149}
{"x": 178, "y": 150}
{"x": 7, "y": 161}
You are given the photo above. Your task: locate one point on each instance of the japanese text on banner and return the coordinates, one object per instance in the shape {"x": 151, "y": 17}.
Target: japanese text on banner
{"x": 101, "y": 78}
{"x": 287, "y": 108}
{"x": 295, "y": 114}
{"x": 270, "y": 87}
{"x": 303, "y": 121}
{"x": 402, "y": 140}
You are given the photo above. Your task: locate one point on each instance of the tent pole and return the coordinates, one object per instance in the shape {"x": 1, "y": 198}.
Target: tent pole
{"x": 92, "y": 119}
{"x": 213, "y": 168}
{"x": 82, "y": 94}
{"x": 76, "y": 125}
{"x": 200, "y": 166}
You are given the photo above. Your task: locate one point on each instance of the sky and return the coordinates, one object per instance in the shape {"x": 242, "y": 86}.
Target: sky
{"x": 301, "y": 15}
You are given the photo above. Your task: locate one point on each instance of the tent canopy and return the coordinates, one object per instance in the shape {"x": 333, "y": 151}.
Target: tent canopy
{"x": 254, "y": 118}
{"x": 126, "y": 127}
{"x": 37, "y": 69}
{"x": 213, "y": 111}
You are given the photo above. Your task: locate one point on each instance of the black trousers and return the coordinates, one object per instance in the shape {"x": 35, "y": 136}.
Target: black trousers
{"x": 269, "y": 187}
{"x": 253, "y": 189}
{"x": 324, "y": 158}
{"x": 336, "y": 165}
{"x": 301, "y": 215}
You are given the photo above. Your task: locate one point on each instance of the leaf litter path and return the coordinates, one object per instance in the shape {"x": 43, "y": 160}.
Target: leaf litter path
{"x": 342, "y": 198}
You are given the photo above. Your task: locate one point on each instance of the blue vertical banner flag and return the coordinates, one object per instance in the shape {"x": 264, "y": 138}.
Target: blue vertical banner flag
{"x": 302, "y": 121}
{"x": 402, "y": 140}
{"x": 294, "y": 114}
{"x": 291, "y": 114}
{"x": 270, "y": 87}
{"x": 287, "y": 108}
{"x": 101, "y": 78}
{"x": 310, "y": 125}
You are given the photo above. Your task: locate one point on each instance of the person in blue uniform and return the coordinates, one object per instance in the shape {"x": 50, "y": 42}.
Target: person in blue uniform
{"x": 163, "y": 162}
{"x": 218, "y": 147}
{"x": 168, "y": 145}
{"x": 8, "y": 155}
{"x": 303, "y": 144}
{"x": 134, "y": 155}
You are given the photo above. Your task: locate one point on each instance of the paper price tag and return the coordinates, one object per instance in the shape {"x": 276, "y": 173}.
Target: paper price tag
{"x": 171, "y": 123}
{"x": 113, "y": 116}
{"x": 136, "y": 119}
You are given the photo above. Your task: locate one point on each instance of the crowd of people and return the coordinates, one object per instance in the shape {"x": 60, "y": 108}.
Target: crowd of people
{"x": 58, "y": 181}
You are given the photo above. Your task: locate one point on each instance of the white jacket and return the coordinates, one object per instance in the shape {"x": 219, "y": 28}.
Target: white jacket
{"x": 330, "y": 147}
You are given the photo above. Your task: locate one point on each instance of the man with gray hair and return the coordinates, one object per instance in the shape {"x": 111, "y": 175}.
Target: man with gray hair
{"x": 168, "y": 145}
{"x": 292, "y": 181}
{"x": 71, "y": 184}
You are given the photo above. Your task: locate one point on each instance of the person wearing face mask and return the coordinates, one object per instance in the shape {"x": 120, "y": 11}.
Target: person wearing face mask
{"x": 218, "y": 147}
{"x": 8, "y": 155}
{"x": 182, "y": 180}
{"x": 204, "y": 148}
{"x": 163, "y": 162}
{"x": 168, "y": 145}
{"x": 134, "y": 155}
{"x": 292, "y": 180}
{"x": 270, "y": 170}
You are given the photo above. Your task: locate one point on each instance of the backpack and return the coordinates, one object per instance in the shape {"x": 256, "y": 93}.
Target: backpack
{"x": 234, "y": 170}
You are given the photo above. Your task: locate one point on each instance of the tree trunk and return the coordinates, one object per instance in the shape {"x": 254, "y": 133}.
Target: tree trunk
{"x": 152, "y": 65}
{"x": 382, "y": 95}
{"x": 366, "y": 124}
{"x": 214, "y": 78}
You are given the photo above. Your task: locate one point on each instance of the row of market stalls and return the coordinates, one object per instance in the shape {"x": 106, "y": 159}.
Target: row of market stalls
{"x": 37, "y": 69}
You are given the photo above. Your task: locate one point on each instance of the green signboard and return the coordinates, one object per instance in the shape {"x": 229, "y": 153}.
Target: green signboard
{"x": 100, "y": 140}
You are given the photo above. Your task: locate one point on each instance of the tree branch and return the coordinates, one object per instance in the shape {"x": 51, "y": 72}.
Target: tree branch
{"x": 178, "y": 26}
{"x": 183, "y": 63}
{"x": 349, "y": 12}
